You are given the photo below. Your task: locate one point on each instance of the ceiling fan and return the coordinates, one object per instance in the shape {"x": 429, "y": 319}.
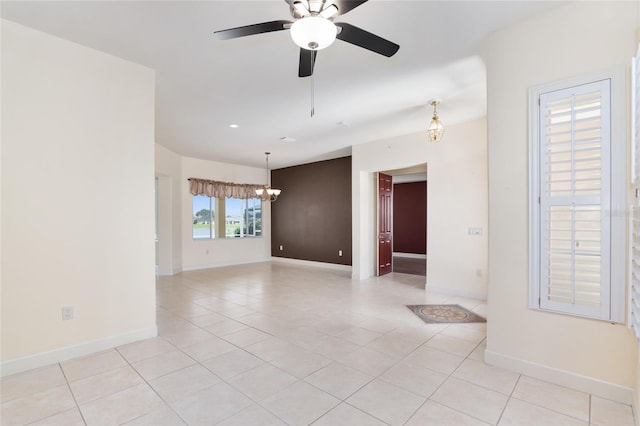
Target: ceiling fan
{"x": 313, "y": 29}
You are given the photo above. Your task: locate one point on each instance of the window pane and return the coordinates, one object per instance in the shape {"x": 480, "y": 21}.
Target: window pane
{"x": 233, "y": 220}
{"x": 203, "y": 217}
{"x": 254, "y": 216}
{"x": 243, "y": 218}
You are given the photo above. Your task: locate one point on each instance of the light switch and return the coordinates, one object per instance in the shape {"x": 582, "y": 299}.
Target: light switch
{"x": 475, "y": 231}
{"x": 67, "y": 313}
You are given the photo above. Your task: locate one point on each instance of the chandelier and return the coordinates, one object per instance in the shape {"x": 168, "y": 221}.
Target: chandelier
{"x": 435, "y": 129}
{"x": 267, "y": 193}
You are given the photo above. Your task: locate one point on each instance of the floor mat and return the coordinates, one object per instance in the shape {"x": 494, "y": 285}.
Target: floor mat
{"x": 444, "y": 314}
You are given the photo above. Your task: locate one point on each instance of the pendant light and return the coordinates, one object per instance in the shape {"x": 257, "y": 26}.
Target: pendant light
{"x": 267, "y": 193}
{"x": 435, "y": 129}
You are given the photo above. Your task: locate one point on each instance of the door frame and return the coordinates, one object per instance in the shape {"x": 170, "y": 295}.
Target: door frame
{"x": 396, "y": 174}
{"x": 379, "y": 232}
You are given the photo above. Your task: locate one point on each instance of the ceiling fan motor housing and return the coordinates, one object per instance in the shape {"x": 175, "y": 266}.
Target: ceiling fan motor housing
{"x": 301, "y": 8}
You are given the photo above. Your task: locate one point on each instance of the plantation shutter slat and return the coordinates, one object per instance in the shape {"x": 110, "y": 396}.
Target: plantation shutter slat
{"x": 634, "y": 281}
{"x": 575, "y": 227}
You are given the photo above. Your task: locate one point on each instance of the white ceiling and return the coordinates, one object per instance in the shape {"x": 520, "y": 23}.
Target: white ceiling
{"x": 205, "y": 84}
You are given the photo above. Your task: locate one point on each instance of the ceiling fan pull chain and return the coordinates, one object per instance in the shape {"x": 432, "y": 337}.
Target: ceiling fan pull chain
{"x": 313, "y": 108}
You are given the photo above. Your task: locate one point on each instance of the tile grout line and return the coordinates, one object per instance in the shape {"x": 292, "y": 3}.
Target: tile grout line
{"x": 72, "y": 394}
{"x": 151, "y": 387}
{"x": 352, "y": 406}
{"x": 196, "y": 362}
{"x": 551, "y": 409}
{"x": 225, "y": 380}
{"x": 510, "y": 398}
{"x": 449, "y": 376}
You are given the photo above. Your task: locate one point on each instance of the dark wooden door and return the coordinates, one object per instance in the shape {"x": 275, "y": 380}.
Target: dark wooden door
{"x": 385, "y": 219}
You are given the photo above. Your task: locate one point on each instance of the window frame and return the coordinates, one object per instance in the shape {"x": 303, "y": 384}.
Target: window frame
{"x": 218, "y": 231}
{"x": 633, "y": 306}
{"x": 617, "y": 190}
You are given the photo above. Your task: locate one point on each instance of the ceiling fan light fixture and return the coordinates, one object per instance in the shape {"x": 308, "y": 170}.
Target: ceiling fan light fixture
{"x": 313, "y": 32}
{"x": 302, "y": 7}
{"x": 329, "y": 11}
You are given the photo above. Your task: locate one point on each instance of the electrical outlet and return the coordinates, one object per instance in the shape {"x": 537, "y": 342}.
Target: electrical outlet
{"x": 281, "y": 248}
{"x": 207, "y": 251}
{"x": 67, "y": 313}
{"x": 339, "y": 252}
{"x": 479, "y": 273}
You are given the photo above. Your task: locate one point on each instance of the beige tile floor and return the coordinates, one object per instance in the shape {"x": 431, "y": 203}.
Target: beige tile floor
{"x": 275, "y": 344}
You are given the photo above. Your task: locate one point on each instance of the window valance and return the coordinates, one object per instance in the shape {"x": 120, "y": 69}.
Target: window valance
{"x": 216, "y": 189}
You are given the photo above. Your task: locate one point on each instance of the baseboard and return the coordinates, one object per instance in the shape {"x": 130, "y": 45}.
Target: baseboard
{"x": 410, "y": 255}
{"x": 324, "y": 265}
{"x": 221, "y": 264}
{"x": 601, "y": 388}
{"x": 168, "y": 272}
{"x": 272, "y": 259}
{"x": 68, "y": 352}
{"x": 636, "y": 393}
{"x": 456, "y": 292}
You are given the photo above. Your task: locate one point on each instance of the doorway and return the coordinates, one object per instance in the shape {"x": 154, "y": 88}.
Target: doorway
{"x": 403, "y": 247}
{"x": 164, "y": 229}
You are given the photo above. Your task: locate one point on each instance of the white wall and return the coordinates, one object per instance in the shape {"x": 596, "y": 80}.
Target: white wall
{"x": 77, "y": 199}
{"x": 457, "y": 200}
{"x": 578, "y": 38}
{"x": 168, "y": 167}
{"x": 197, "y": 254}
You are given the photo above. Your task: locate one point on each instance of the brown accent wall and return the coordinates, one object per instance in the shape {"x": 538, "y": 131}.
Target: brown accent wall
{"x": 410, "y": 217}
{"x": 311, "y": 219}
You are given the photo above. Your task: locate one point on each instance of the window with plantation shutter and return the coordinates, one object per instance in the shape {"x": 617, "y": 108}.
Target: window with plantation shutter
{"x": 634, "y": 279}
{"x": 571, "y": 201}
{"x": 574, "y": 170}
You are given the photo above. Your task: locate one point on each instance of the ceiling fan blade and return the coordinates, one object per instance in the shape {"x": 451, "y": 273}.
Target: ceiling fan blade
{"x": 346, "y": 5}
{"x": 359, "y": 37}
{"x": 307, "y": 62}
{"x": 247, "y": 30}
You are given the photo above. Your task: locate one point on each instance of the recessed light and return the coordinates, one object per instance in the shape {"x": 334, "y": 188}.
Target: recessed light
{"x": 344, "y": 123}
{"x": 233, "y": 126}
